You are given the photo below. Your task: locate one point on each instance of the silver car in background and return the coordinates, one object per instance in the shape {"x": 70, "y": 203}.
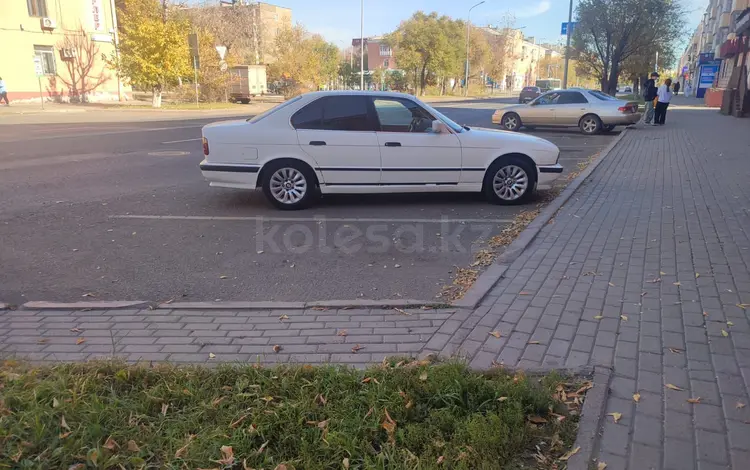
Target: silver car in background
{"x": 590, "y": 110}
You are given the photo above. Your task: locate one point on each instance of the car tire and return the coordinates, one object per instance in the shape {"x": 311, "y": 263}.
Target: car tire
{"x": 608, "y": 128}
{"x": 289, "y": 185}
{"x": 511, "y": 122}
{"x": 502, "y": 173}
{"x": 590, "y": 124}
{"x": 245, "y": 101}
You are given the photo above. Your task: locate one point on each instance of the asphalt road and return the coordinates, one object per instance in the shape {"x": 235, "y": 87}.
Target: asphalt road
{"x": 120, "y": 211}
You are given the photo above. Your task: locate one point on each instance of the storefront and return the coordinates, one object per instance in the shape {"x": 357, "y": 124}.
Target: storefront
{"x": 736, "y": 55}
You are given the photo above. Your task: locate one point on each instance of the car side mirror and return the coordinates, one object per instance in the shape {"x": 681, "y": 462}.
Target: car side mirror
{"x": 439, "y": 127}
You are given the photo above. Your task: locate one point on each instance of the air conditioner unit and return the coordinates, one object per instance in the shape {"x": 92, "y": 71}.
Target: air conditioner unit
{"x": 48, "y": 23}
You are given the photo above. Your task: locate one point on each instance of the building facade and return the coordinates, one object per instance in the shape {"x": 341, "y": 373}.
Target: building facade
{"x": 45, "y": 42}
{"x": 379, "y": 54}
{"x": 524, "y": 57}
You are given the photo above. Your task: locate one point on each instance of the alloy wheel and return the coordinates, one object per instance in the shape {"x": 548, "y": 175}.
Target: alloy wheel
{"x": 510, "y": 182}
{"x": 589, "y": 125}
{"x": 511, "y": 122}
{"x": 288, "y": 185}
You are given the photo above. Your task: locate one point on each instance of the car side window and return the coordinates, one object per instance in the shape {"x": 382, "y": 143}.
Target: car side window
{"x": 346, "y": 113}
{"x": 309, "y": 117}
{"x": 572, "y": 97}
{"x": 402, "y": 115}
{"x": 548, "y": 99}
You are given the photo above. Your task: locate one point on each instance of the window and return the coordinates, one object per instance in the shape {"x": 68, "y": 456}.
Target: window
{"x": 401, "y": 115}
{"x": 335, "y": 113}
{"x": 37, "y": 7}
{"x": 547, "y": 99}
{"x": 572, "y": 97}
{"x": 386, "y": 63}
{"x": 47, "y": 54}
{"x": 385, "y": 51}
{"x": 602, "y": 96}
{"x": 274, "y": 109}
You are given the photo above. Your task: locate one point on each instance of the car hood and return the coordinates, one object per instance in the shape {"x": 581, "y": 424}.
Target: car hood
{"x": 513, "y": 107}
{"x": 481, "y": 137}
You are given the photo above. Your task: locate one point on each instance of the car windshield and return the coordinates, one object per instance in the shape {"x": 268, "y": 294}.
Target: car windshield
{"x": 602, "y": 96}
{"x": 454, "y": 127}
{"x": 274, "y": 109}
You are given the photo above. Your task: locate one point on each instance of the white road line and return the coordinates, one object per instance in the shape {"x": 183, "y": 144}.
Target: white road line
{"x": 98, "y": 134}
{"x": 180, "y": 141}
{"x": 310, "y": 219}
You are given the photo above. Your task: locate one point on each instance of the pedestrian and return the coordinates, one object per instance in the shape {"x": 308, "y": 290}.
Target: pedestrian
{"x": 663, "y": 97}
{"x": 3, "y": 93}
{"x": 677, "y": 88}
{"x": 649, "y": 95}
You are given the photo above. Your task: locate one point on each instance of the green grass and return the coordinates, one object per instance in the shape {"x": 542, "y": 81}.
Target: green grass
{"x": 109, "y": 415}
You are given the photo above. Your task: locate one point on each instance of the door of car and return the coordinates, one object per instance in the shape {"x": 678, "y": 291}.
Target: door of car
{"x": 570, "y": 108}
{"x": 338, "y": 132}
{"x": 541, "y": 112}
{"x": 410, "y": 152}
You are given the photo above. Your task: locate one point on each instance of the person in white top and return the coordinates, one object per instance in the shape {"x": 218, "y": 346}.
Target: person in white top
{"x": 663, "y": 97}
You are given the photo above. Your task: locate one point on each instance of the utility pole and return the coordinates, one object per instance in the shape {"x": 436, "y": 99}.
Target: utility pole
{"x": 567, "y": 45}
{"x": 362, "y": 45}
{"x": 117, "y": 47}
{"x": 656, "y": 65}
{"x": 468, "y": 39}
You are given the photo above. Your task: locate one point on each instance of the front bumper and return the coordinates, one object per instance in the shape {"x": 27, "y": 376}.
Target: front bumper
{"x": 548, "y": 174}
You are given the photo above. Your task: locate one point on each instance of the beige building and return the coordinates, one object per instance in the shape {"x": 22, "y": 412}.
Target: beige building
{"x": 42, "y": 43}
{"x": 524, "y": 56}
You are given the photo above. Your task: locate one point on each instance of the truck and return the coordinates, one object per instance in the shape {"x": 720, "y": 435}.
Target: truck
{"x": 248, "y": 81}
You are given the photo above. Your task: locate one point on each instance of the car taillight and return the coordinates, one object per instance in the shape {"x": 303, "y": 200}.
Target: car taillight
{"x": 625, "y": 109}
{"x": 205, "y": 146}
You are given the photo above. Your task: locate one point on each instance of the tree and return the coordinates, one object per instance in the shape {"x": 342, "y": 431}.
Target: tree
{"x": 154, "y": 51}
{"x": 80, "y": 58}
{"x": 610, "y": 32}
{"x": 236, "y": 27}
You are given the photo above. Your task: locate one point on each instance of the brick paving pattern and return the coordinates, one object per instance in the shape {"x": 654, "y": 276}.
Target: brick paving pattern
{"x": 644, "y": 270}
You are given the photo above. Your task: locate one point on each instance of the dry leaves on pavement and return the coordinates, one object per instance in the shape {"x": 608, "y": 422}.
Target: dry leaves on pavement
{"x": 636, "y": 397}
{"x": 673, "y": 387}
{"x": 616, "y": 416}
{"x": 570, "y": 454}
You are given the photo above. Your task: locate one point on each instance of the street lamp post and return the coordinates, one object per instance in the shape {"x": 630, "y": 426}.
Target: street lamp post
{"x": 567, "y": 45}
{"x": 468, "y": 30}
{"x": 362, "y": 45}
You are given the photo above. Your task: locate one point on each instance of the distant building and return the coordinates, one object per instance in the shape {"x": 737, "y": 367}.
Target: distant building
{"x": 379, "y": 54}
{"x": 525, "y": 55}
{"x": 32, "y": 35}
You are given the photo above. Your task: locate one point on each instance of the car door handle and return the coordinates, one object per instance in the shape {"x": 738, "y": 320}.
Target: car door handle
{"x": 317, "y": 143}
{"x": 393, "y": 144}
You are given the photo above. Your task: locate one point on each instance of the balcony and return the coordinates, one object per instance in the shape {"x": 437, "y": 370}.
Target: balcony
{"x": 739, "y": 5}
{"x": 725, "y": 20}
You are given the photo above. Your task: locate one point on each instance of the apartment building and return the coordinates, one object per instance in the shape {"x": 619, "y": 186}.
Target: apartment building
{"x": 47, "y": 41}
{"x": 379, "y": 54}
{"x": 524, "y": 57}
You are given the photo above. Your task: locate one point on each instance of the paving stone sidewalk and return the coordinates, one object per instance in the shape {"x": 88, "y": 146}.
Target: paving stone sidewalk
{"x": 645, "y": 270}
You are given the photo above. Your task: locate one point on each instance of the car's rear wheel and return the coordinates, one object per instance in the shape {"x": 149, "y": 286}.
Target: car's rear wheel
{"x": 509, "y": 181}
{"x": 511, "y": 122}
{"x": 289, "y": 185}
{"x": 608, "y": 128}
{"x": 590, "y": 124}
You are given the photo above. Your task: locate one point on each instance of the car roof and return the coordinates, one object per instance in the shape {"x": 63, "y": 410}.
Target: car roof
{"x": 391, "y": 94}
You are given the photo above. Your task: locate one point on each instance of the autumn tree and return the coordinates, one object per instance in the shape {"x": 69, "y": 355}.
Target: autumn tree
{"x": 81, "y": 56}
{"x": 610, "y": 32}
{"x": 154, "y": 51}
{"x": 237, "y": 27}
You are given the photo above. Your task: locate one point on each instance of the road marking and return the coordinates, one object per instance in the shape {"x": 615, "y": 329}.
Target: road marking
{"x": 310, "y": 219}
{"x": 181, "y": 141}
{"x": 98, "y": 134}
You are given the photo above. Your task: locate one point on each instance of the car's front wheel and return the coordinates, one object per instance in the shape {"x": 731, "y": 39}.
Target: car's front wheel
{"x": 510, "y": 181}
{"x": 289, "y": 185}
{"x": 511, "y": 122}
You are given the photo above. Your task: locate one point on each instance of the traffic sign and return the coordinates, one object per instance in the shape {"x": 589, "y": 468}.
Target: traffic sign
{"x": 564, "y": 29}
{"x": 223, "y": 66}
{"x": 38, "y": 66}
{"x": 222, "y": 50}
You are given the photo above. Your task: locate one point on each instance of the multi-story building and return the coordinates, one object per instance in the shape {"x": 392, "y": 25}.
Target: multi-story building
{"x": 379, "y": 54}
{"x": 44, "y": 42}
{"x": 523, "y": 58}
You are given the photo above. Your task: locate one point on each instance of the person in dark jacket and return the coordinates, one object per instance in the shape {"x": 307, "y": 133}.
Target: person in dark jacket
{"x": 649, "y": 95}
{"x": 676, "y": 88}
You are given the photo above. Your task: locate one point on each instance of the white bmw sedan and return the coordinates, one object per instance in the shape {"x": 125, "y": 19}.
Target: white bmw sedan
{"x": 371, "y": 142}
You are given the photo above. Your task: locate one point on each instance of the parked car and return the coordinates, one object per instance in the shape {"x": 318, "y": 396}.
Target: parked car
{"x": 371, "y": 142}
{"x": 529, "y": 93}
{"x": 590, "y": 110}
{"x": 628, "y": 89}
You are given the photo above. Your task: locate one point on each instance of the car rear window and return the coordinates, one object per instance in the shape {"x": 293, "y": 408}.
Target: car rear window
{"x": 274, "y": 109}
{"x": 529, "y": 88}
{"x": 602, "y": 96}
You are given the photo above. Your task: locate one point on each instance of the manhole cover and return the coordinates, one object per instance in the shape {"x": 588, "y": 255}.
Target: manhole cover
{"x": 169, "y": 153}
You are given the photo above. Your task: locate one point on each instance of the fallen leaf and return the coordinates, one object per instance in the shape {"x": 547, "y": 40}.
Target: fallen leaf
{"x": 277, "y": 348}
{"x": 343, "y": 333}
{"x": 502, "y": 399}
{"x": 389, "y": 425}
{"x": 55, "y": 403}
{"x": 724, "y": 333}
{"x": 42, "y": 340}
{"x": 440, "y": 460}
{"x": 677, "y": 283}
{"x": 705, "y": 314}
{"x": 357, "y": 348}
{"x": 323, "y": 424}
{"x": 369, "y": 412}
{"x": 673, "y": 387}
{"x": 252, "y": 429}
{"x": 409, "y": 405}
{"x": 616, "y": 416}
{"x": 662, "y": 273}
{"x": 111, "y": 444}
{"x": 496, "y": 334}
{"x": 93, "y": 456}
{"x": 238, "y": 421}
{"x": 80, "y": 340}
{"x": 280, "y": 466}
{"x": 345, "y": 463}
{"x": 75, "y": 330}
{"x": 601, "y": 466}
{"x": 402, "y": 312}
{"x": 637, "y": 397}
{"x": 133, "y": 447}
{"x": 423, "y": 376}
{"x": 211, "y": 356}
{"x": 64, "y": 424}
{"x": 611, "y": 285}
{"x": 676, "y": 350}
{"x": 227, "y": 455}
{"x": 284, "y": 317}
{"x": 321, "y": 400}
{"x": 65, "y": 434}
{"x": 223, "y": 277}
{"x": 598, "y": 317}
{"x": 88, "y": 294}
{"x": 570, "y": 454}
{"x": 537, "y": 420}
{"x": 245, "y": 466}
{"x": 218, "y": 400}
{"x": 262, "y": 448}
{"x": 624, "y": 317}
{"x": 182, "y": 450}
{"x": 743, "y": 306}
{"x": 730, "y": 323}
{"x": 533, "y": 342}
{"x": 694, "y": 400}
{"x": 524, "y": 293}
{"x": 164, "y": 408}
{"x": 77, "y": 466}
{"x": 740, "y": 405}
{"x": 367, "y": 380}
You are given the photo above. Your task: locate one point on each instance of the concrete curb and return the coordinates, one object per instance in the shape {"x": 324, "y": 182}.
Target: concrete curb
{"x": 592, "y": 417}
{"x": 98, "y": 305}
{"x": 491, "y": 276}
{"x": 360, "y": 303}
{"x": 4, "y": 306}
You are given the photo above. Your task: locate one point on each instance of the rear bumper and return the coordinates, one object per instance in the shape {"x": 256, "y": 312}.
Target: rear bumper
{"x": 548, "y": 174}
{"x": 230, "y": 175}
{"x": 621, "y": 120}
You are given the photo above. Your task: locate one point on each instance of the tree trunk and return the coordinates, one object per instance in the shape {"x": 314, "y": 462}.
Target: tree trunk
{"x": 423, "y": 78}
{"x": 156, "y": 97}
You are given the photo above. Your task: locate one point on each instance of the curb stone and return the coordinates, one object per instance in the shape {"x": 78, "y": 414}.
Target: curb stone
{"x": 99, "y": 305}
{"x": 4, "y": 306}
{"x": 592, "y": 416}
{"x": 359, "y": 303}
{"x": 491, "y": 276}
